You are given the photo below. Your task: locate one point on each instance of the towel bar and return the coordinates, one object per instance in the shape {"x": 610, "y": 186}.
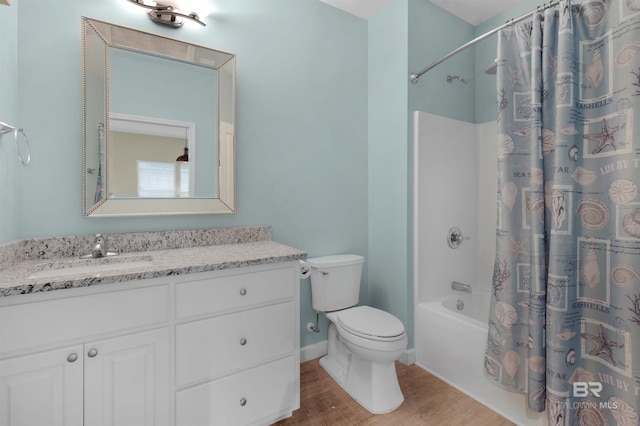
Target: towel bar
{"x": 7, "y": 128}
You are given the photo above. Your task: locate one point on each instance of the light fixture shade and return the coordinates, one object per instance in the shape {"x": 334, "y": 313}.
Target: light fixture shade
{"x": 170, "y": 12}
{"x": 200, "y": 7}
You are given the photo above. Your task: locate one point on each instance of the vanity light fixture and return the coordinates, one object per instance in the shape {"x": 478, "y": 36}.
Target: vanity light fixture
{"x": 167, "y": 12}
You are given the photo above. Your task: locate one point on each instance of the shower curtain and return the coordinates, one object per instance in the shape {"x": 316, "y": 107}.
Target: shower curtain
{"x": 564, "y": 325}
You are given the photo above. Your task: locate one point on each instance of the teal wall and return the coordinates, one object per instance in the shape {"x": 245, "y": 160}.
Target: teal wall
{"x": 302, "y": 122}
{"x": 387, "y": 261}
{"x": 324, "y": 141}
{"x": 8, "y": 114}
{"x": 405, "y": 37}
{"x": 433, "y": 33}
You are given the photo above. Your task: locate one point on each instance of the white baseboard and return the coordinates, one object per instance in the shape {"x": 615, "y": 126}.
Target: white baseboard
{"x": 319, "y": 349}
{"x": 314, "y": 351}
{"x": 408, "y": 357}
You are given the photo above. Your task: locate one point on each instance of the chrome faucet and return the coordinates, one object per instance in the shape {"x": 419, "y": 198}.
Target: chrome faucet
{"x": 461, "y": 287}
{"x": 99, "y": 249}
{"x": 99, "y": 246}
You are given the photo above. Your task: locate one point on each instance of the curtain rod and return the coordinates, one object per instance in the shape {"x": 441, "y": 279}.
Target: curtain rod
{"x": 416, "y": 76}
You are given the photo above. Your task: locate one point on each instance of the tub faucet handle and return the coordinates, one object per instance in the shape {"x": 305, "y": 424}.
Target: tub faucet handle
{"x": 455, "y": 237}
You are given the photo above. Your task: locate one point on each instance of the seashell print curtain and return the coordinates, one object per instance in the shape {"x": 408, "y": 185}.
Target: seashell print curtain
{"x": 564, "y": 325}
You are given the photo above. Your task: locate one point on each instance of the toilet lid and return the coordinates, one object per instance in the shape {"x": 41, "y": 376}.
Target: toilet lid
{"x": 370, "y": 321}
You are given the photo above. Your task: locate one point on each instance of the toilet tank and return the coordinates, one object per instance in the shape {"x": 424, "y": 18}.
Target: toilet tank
{"x": 335, "y": 281}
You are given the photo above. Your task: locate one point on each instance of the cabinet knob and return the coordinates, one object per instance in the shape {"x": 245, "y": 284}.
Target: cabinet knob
{"x": 92, "y": 352}
{"x": 72, "y": 357}
{"x": 243, "y": 341}
{"x": 243, "y": 402}
{"x": 243, "y": 291}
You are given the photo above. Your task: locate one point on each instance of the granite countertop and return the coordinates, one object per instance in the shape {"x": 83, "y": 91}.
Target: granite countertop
{"x": 44, "y": 273}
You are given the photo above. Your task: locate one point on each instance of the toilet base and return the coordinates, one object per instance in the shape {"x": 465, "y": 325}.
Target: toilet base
{"x": 373, "y": 385}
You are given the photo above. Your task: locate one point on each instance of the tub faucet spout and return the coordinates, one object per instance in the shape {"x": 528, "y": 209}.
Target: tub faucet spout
{"x": 461, "y": 287}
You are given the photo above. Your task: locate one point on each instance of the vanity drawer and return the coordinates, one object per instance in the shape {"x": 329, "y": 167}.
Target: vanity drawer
{"x": 48, "y": 322}
{"x": 219, "y": 294}
{"x": 259, "y": 394}
{"x": 216, "y": 346}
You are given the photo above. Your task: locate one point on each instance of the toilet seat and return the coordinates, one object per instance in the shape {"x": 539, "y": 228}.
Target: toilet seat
{"x": 370, "y": 323}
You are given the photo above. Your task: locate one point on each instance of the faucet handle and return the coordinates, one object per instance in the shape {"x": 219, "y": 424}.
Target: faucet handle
{"x": 99, "y": 246}
{"x": 455, "y": 237}
{"x": 100, "y": 239}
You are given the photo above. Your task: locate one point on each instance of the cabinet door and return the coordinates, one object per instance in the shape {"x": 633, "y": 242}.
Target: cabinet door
{"x": 42, "y": 389}
{"x": 127, "y": 380}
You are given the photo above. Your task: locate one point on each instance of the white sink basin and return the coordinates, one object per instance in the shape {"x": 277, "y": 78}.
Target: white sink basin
{"x": 91, "y": 267}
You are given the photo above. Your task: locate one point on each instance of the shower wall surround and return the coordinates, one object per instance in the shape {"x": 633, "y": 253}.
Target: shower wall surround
{"x": 457, "y": 186}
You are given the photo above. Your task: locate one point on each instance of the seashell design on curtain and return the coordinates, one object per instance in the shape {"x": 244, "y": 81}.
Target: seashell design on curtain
{"x": 565, "y": 314}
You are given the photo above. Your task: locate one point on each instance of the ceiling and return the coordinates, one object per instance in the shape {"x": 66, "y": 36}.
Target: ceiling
{"x": 476, "y": 11}
{"x": 473, "y": 11}
{"x": 363, "y": 8}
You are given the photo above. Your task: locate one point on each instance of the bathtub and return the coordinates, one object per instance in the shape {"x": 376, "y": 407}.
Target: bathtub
{"x": 450, "y": 340}
{"x": 473, "y": 307}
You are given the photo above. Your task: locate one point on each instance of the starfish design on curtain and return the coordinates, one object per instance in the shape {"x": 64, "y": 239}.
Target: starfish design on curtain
{"x": 570, "y": 71}
{"x": 519, "y": 246}
{"x": 603, "y": 344}
{"x": 515, "y": 76}
{"x": 606, "y": 137}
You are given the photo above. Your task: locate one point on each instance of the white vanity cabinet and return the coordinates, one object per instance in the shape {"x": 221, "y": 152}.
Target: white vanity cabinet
{"x": 120, "y": 380}
{"x": 126, "y": 380}
{"x": 211, "y": 348}
{"x": 44, "y": 388}
{"x": 237, "y": 348}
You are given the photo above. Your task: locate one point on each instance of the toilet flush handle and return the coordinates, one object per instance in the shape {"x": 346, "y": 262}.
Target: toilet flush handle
{"x": 324, "y": 273}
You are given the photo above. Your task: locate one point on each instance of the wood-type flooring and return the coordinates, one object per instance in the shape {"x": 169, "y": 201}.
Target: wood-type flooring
{"x": 428, "y": 401}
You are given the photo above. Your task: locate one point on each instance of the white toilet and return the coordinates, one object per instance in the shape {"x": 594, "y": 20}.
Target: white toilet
{"x": 363, "y": 342}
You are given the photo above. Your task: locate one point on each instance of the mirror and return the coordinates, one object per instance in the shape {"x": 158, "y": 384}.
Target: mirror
{"x": 158, "y": 125}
